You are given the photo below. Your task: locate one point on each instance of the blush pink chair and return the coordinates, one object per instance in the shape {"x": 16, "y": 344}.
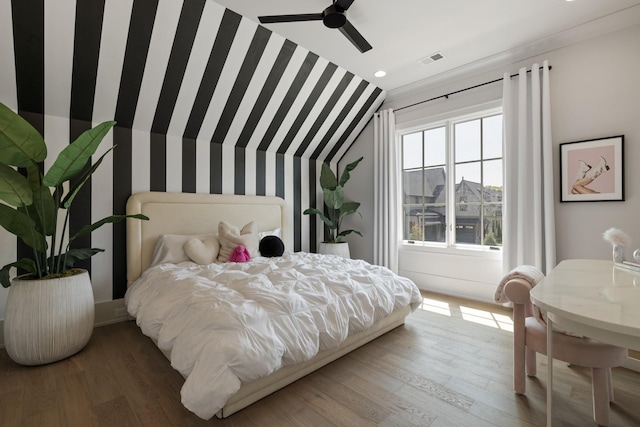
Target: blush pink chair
{"x": 530, "y": 337}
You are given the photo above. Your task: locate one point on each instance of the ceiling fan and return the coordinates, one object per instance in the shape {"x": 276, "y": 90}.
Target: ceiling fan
{"x": 333, "y": 16}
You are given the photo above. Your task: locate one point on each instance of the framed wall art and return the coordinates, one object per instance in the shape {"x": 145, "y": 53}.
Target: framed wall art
{"x": 592, "y": 170}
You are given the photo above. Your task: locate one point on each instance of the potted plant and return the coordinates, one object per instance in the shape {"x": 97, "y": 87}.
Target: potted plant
{"x": 50, "y": 310}
{"x": 336, "y": 209}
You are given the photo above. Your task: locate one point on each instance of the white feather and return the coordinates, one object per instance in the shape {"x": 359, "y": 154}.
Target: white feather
{"x": 616, "y": 237}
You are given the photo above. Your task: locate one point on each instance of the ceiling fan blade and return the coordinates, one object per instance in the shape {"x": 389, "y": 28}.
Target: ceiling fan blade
{"x": 343, "y": 4}
{"x": 355, "y": 37}
{"x": 291, "y": 18}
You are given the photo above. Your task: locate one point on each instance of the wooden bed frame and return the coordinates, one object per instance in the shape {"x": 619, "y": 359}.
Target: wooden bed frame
{"x": 187, "y": 213}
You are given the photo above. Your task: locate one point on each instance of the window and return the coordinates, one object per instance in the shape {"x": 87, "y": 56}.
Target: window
{"x": 452, "y": 182}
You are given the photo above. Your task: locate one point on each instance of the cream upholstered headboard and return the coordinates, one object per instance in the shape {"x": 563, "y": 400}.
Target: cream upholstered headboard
{"x": 188, "y": 213}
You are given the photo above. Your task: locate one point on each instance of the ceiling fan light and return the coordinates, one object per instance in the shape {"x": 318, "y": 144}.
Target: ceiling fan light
{"x": 333, "y": 18}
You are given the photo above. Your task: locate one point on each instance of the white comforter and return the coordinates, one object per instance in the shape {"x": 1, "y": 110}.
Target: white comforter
{"x": 223, "y": 324}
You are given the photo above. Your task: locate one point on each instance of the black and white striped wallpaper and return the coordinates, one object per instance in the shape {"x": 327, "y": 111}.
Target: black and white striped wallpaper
{"x": 206, "y": 101}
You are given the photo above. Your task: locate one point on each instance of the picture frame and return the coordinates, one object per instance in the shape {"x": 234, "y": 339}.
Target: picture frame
{"x": 592, "y": 170}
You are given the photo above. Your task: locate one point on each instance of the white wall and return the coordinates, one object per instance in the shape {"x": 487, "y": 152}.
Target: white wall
{"x": 595, "y": 93}
{"x": 360, "y": 189}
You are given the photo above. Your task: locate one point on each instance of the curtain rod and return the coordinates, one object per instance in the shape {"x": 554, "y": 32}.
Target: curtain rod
{"x": 458, "y": 91}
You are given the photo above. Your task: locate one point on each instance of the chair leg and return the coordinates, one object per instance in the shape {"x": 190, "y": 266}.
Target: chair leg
{"x": 519, "y": 349}
{"x": 610, "y": 382}
{"x": 531, "y": 363}
{"x": 519, "y": 383}
{"x": 600, "y": 385}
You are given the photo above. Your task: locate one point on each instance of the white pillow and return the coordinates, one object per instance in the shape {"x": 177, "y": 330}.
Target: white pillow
{"x": 202, "y": 251}
{"x": 170, "y": 248}
{"x": 230, "y": 236}
{"x": 276, "y": 232}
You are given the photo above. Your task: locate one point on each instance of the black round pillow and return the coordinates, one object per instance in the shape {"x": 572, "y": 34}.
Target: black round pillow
{"x": 271, "y": 246}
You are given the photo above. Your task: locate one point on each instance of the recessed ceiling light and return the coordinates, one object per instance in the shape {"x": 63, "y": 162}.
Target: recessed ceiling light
{"x": 380, "y": 73}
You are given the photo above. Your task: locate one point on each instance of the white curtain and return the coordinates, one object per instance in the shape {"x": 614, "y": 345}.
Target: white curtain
{"x": 528, "y": 215}
{"x": 386, "y": 189}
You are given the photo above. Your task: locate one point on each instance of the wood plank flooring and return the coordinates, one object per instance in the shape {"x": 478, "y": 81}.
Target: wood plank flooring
{"x": 449, "y": 365}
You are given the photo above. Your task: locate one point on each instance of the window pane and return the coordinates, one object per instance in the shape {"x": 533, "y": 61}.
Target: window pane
{"x": 492, "y": 137}
{"x": 435, "y": 146}
{"x": 434, "y": 223}
{"x": 435, "y": 185}
{"x": 492, "y": 180}
{"x": 468, "y": 228}
{"x": 492, "y": 224}
{"x": 425, "y": 225}
{"x": 412, "y": 187}
{"x": 413, "y": 201}
{"x": 468, "y": 208}
{"x": 467, "y": 141}
{"x": 468, "y": 187}
{"x": 413, "y": 215}
{"x": 412, "y": 150}
{"x": 425, "y": 222}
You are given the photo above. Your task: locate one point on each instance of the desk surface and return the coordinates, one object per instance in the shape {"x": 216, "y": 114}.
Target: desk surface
{"x": 593, "y": 298}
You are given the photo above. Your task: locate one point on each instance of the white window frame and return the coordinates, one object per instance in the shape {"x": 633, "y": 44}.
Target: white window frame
{"x": 448, "y": 120}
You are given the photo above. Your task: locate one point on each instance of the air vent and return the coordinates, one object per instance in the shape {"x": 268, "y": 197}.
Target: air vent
{"x": 431, "y": 58}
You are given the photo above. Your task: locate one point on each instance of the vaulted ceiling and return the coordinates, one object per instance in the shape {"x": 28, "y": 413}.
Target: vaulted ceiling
{"x": 207, "y": 70}
{"x": 191, "y": 69}
{"x": 465, "y": 32}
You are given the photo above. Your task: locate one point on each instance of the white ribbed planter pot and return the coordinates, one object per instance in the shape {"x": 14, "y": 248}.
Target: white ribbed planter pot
{"x": 48, "y": 320}
{"x": 341, "y": 249}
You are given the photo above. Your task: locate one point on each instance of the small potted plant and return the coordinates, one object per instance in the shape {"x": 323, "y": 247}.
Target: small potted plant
{"x": 50, "y": 310}
{"x": 336, "y": 209}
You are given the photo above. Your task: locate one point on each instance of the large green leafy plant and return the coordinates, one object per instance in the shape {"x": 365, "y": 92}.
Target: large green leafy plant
{"x": 337, "y": 208}
{"x": 33, "y": 202}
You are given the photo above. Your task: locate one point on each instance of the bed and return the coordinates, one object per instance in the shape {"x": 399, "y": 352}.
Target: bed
{"x": 195, "y": 214}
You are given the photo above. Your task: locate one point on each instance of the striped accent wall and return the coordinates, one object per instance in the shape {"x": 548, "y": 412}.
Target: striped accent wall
{"x": 205, "y": 101}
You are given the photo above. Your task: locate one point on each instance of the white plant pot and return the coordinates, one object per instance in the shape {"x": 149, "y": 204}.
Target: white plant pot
{"x": 47, "y": 320}
{"x": 341, "y": 249}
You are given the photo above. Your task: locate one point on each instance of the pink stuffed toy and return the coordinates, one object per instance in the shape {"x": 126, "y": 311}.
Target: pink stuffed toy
{"x": 240, "y": 254}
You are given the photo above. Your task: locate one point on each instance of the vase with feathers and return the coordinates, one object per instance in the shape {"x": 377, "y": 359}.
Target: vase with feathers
{"x": 619, "y": 241}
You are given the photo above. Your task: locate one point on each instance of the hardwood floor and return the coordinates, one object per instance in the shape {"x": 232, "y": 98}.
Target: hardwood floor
{"x": 442, "y": 368}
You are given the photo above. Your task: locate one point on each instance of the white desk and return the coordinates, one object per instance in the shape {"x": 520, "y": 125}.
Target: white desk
{"x": 592, "y": 298}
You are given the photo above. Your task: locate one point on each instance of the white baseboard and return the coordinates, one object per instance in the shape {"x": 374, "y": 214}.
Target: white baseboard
{"x": 107, "y": 312}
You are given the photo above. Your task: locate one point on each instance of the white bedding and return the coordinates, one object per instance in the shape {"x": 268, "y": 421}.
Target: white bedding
{"x": 224, "y": 324}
